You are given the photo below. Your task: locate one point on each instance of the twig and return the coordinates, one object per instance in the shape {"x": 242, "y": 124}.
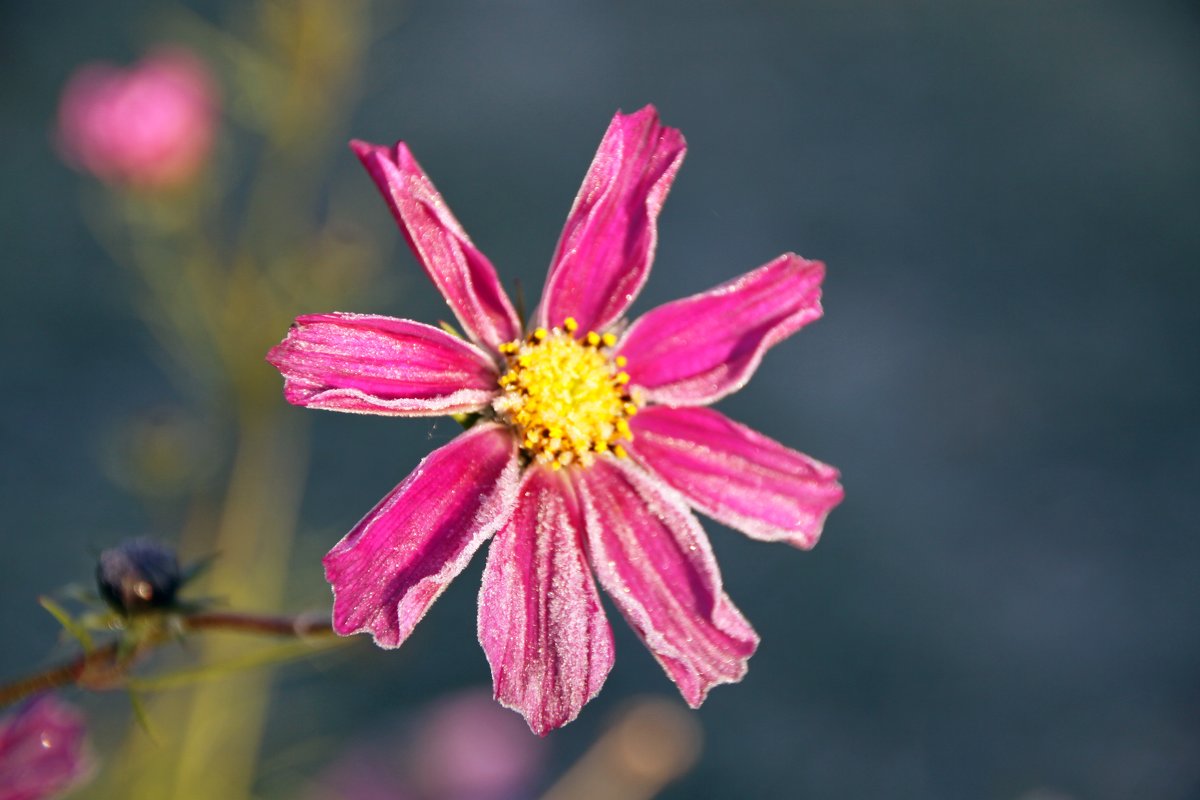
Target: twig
{"x": 105, "y": 667}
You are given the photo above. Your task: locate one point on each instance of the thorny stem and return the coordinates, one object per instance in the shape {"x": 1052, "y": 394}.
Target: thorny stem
{"x": 106, "y": 667}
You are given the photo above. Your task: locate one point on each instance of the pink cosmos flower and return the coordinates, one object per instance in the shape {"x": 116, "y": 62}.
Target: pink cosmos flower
{"x": 591, "y": 445}
{"x": 150, "y": 126}
{"x": 42, "y": 750}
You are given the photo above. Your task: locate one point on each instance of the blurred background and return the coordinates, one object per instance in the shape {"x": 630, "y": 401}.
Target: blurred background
{"x": 1007, "y": 196}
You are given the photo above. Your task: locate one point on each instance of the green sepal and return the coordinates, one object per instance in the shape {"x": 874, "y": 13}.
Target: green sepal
{"x": 466, "y": 419}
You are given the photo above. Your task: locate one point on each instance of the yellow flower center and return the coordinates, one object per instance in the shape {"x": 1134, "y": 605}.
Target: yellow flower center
{"x": 565, "y": 396}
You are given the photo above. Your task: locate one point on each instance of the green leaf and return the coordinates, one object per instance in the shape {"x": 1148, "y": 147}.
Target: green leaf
{"x": 70, "y": 625}
{"x": 142, "y": 717}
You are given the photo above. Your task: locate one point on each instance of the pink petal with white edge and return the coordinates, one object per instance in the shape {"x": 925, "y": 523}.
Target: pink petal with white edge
{"x": 694, "y": 351}
{"x": 382, "y": 365}
{"x": 387, "y": 572}
{"x": 607, "y": 244}
{"x": 653, "y": 559}
{"x": 540, "y": 619}
{"x": 736, "y": 475}
{"x": 464, "y": 275}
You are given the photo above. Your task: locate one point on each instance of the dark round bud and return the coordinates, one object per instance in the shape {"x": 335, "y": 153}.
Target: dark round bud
{"x": 137, "y": 576}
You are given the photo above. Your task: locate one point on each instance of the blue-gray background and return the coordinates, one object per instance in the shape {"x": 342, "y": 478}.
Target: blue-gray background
{"x": 1007, "y": 195}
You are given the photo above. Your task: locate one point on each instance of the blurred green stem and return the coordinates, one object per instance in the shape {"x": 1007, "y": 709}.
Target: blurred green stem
{"x": 218, "y": 295}
{"x": 225, "y": 720}
{"x": 107, "y": 666}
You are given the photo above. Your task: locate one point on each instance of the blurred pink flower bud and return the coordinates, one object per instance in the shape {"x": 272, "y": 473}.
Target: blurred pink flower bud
{"x": 462, "y": 747}
{"x": 150, "y": 126}
{"x": 469, "y": 748}
{"x": 42, "y": 750}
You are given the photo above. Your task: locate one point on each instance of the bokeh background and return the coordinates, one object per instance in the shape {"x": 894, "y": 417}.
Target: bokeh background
{"x": 1007, "y": 195}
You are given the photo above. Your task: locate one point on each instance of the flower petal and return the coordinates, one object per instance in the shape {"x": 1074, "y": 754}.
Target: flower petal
{"x": 736, "y": 475}
{"x": 43, "y": 750}
{"x": 388, "y": 570}
{"x": 540, "y": 619}
{"x": 654, "y": 560}
{"x": 607, "y": 245}
{"x": 382, "y": 365}
{"x": 464, "y": 275}
{"x": 694, "y": 351}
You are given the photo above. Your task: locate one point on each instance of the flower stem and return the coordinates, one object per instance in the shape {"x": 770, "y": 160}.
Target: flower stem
{"x": 301, "y": 625}
{"x": 107, "y": 666}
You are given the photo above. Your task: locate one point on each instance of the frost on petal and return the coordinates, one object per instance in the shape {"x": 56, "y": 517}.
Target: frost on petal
{"x": 607, "y": 245}
{"x": 388, "y": 570}
{"x": 540, "y": 619}
{"x": 694, "y": 351}
{"x": 382, "y": 365}
{"x": 43, "y": 751}
{"x": 464, "y": 275}
{"x": 736, "y": 475}
{"x": 653, "y": 559}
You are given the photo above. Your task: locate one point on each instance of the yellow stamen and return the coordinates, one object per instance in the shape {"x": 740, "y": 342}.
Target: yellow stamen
{"x": 609, "y": 339}
{"x": 565, "y": 397}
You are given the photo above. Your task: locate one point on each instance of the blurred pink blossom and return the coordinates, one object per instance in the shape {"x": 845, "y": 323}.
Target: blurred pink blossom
{"x": 149, "y": 126}
{"x": 42, "y": 750}
{"x": 468, "y": 748}
{"x": 462, "y": 747}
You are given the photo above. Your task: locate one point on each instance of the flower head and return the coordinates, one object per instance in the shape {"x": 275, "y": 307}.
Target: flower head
{"x": 138, "y": 576}
{"x": 150, "y": 126}
{"x": 42, "y": 750}
{"x": 592, "y": 446}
